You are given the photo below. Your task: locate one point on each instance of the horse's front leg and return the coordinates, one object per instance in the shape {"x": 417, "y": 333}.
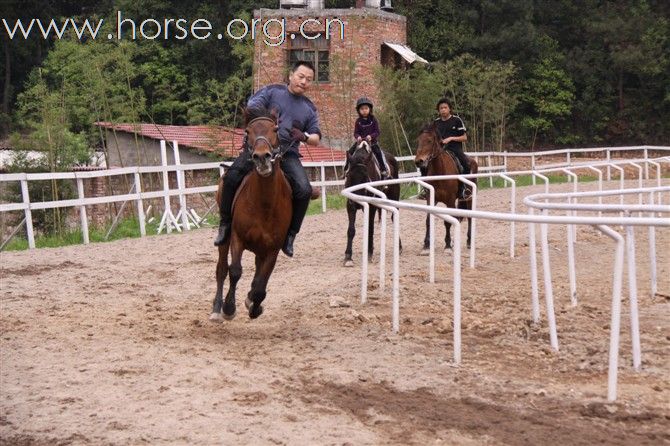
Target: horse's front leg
{"x": 447, "y": 237}
{"x": 426, "y": 239}
{"x": 264, "y": 267}
{"x": 235, "y": 272}
{"x": 221, "y": 272}
{"x": 351, "y": 232}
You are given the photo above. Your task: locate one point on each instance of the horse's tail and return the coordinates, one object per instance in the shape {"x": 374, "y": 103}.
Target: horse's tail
{"x": 393, "y": 164}
{"x": 219, "y": 191}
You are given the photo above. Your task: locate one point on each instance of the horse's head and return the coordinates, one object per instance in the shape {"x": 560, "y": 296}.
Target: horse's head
{"x": 262, "y": 137}
{"x": 428, "y": 146}
{"x": 358, "y": 164}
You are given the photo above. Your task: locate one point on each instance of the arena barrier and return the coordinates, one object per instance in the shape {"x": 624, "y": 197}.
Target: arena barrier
{"x": 651, "y": 214}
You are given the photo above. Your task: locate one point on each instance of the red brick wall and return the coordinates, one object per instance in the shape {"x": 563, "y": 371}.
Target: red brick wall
{"x": 364, "y": 32}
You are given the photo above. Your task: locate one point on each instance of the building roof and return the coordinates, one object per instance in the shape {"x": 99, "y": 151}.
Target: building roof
{"x": 406, "y": 52}
{"x": 225, "y": 141}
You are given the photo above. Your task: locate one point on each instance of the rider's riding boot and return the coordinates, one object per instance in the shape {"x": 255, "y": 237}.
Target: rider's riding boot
{"x": 288, "y": 244}
{"x": 226, "y": 221}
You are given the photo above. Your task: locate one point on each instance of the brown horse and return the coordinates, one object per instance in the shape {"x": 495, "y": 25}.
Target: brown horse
{"x": 261, "y": 217}
{"x": 363, "y": 169}
{"x": 430, "y": 154}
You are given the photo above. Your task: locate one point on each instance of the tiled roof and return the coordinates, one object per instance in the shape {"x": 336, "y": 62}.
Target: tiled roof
{"x": 321, "y": 153}
{"x": 225, "y": 141}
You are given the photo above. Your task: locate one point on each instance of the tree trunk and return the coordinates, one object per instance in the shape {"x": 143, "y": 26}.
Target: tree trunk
{"x": 620, "y": 88}
{"x": 6, "y": 90}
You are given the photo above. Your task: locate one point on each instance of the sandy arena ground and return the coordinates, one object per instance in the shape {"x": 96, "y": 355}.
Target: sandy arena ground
{"x": 111, "y": 344}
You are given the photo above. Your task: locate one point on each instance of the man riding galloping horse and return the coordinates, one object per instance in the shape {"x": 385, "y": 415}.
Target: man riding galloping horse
{"x": 298, "y": 122}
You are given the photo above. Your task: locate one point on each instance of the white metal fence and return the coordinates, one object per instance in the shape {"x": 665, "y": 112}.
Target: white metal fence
{"x": 185, "y": 218}
{"x": 651, "y": 214}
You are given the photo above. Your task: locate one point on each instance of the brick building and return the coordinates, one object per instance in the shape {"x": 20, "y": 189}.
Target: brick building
{"x": 347, "y": 46}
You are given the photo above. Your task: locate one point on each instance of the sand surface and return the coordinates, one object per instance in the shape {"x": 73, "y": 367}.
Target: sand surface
{"x": 111, "y": 344}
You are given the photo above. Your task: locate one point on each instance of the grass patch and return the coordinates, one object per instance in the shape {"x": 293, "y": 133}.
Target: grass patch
{"x": 128, "y": 228}
{"x": 527, "y": 180}
{"x": 336, "y": 201}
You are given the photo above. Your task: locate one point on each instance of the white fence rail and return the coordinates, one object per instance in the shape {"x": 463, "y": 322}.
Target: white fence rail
{"x": 169, "y": 221}
{"x": 651, "y": 214}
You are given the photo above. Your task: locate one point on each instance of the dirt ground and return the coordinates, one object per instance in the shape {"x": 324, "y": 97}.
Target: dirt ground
{"x": 111, "y": 344}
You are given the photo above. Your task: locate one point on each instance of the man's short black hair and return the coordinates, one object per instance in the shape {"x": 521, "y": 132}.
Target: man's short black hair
{"x": 444, "y": 101}
{"x": 304, "y": 63}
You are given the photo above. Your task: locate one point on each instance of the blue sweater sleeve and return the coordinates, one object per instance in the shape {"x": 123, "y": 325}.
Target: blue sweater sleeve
{"x": 261, "y": 99}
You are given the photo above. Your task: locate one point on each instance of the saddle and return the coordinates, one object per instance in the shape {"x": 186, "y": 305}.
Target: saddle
{"x": 458, "y": 164}
{"x": 375, "y": 162}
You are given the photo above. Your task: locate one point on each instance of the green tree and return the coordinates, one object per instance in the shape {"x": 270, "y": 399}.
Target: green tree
{"x": 484, "y": 95}
{"x": 546, "y": 98}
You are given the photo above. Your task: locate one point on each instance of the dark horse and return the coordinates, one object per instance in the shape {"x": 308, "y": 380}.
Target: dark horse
{"x": 430, "y": 154}
{"x": 363, "y": 169}
{"x": 261, "y": 216}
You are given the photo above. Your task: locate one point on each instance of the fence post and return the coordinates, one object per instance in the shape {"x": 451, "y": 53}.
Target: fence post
{"x": 609, "y": 171}
{"x": 646, "y": 165}
{"x": 82, "y": 210}
{"x": 183, "y": 211}
{"x": 323, "y": 187}
{"x": 140, "y": 204}
{"x": 488, "y": 160}
{"x": 29, "y": 215}
{"x": 532, "y": 166}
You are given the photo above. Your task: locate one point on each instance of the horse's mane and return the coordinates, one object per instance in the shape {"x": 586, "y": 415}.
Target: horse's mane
{"x": 251, "y": 113}
{"x": 429, "y": 128}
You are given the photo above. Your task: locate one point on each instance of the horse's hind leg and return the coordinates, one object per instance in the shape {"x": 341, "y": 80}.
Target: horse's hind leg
{"x": 351, "y": 232}
{"x": 221, "y": 272}
{"x": 264, "y": 267}
{"x": 235, "y": 272}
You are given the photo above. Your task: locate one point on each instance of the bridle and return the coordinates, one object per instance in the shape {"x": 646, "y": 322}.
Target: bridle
{"x": 361, "y": 164}
{"x": 276, "y": 152}
{"x": 436, "y": 150}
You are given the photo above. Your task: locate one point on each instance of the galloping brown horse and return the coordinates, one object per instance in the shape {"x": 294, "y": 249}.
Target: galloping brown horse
{"x": 363, "y": 169}
{"x": 431, "y": 155}
{"x": 261, "y": 216}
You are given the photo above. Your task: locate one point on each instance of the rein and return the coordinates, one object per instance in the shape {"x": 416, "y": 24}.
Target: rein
{"x": 437, "y": 150}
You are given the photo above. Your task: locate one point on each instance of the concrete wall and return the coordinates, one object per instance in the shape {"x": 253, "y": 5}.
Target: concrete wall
{"x": 123, "y": 151}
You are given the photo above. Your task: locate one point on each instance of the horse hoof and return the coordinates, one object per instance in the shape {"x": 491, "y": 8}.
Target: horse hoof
{"x": 424, "y": 252}
{"x": 229, "y": 317}
{"x": 348, "y": 263}
{"x": 255, "y": 311}
{"x": 215, "y": 317}
{"x": 247, "y": 303}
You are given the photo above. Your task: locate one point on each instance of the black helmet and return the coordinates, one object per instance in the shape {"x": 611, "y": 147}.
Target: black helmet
{"x": 363, "y": 101}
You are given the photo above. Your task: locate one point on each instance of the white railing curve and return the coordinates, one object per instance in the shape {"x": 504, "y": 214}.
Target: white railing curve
{"x": 651, "y": 215}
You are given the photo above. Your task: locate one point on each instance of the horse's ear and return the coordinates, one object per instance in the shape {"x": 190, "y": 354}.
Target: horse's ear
{"x": 245, "y": 115}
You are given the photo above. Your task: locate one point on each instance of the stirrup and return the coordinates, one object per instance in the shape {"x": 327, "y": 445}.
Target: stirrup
{"x": 466, "y": 194}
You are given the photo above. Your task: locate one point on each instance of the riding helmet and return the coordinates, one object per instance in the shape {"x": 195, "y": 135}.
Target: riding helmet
{"x": 363, "y": 101}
